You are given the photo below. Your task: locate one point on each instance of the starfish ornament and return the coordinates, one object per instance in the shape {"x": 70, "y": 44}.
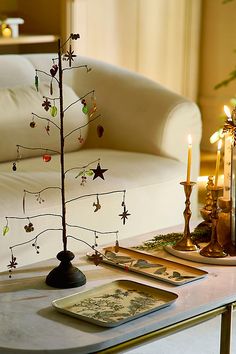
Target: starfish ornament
{"x": 46, "y": 104}
{"x": 97, "y": 258}
{"x": 98, "y": 172}
{"x": 124, "y": 215}
{"x": 69, "y": 56}
{"x": 12, "y": 263}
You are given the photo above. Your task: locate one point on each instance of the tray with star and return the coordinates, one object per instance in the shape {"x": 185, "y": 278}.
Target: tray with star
{"x": 150, "y": 265}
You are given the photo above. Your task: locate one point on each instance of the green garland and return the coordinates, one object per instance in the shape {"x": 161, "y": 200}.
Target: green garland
{"x": 201, "y": 233}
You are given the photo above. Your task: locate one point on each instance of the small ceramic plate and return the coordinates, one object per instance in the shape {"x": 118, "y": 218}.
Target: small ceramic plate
{"x": 113, "y": 304}
{"x": 195, "y": 256}
{"x": 152, "y": 266}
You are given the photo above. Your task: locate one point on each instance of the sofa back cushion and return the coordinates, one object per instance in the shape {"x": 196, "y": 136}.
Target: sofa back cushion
{"x": 16, "y": 107}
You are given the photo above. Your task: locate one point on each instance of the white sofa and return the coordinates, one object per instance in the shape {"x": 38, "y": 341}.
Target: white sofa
{"x": 144, "y": 148}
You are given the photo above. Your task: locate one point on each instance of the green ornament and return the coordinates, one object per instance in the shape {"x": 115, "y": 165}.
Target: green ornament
{"x": 5, "y": 230}
{"x": 85, "y": 109}
{"x": 36, "y": 82}
{"x": 89, "y": 172}
{"x": 53, "y": 111}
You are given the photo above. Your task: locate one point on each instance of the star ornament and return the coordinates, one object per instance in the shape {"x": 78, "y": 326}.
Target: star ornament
{"x": 124, "y": 215}
{"x": 98, "y": 172}
{"x": 97, "y": 258}
{"x": 69, "y": 56}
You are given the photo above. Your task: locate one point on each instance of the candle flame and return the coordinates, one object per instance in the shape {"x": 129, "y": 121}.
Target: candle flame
{"x": 219, "y": 144}
{"x": 216, "y": 136}
{"x": 227, "y": 112}
{"x": 189, "y": 139}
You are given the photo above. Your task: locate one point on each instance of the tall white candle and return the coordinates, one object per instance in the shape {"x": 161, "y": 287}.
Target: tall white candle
{"x": 227, "y": 159}
{"x": 218, "y": 162}
{"x": 189, "y": 158}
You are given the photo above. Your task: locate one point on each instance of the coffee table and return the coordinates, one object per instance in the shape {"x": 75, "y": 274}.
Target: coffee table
{"x": 29, "y": 323}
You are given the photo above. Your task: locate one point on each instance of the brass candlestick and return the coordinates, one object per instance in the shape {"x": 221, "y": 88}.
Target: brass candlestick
{"x": 224, "y": 226}
{"x": 207, "y": 209}
{"x": 214, "y": 249}
{"x": 186, "y": 243}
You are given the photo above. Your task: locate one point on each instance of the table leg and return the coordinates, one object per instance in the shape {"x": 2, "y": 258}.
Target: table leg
{"x": 226, "y": 330}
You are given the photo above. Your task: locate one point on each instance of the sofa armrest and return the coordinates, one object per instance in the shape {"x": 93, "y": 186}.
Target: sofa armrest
{"x": 138, "y": 114}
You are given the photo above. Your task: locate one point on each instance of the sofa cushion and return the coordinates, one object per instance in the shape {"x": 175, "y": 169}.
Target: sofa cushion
{"x": 16, "y": 106}
{"x": 15, "y": 69}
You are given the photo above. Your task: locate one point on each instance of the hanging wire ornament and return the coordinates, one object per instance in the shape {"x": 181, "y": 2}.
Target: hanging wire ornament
{"x": 125, "y": 213}
{"x": 117, "y": 246}
{"x": 85, "y": 107}
{"x": 96, "y": 258}
{"x": 53, "y": 110}
{"x": 32, "y": 123}
{"x": 47, "y": 128}
{"x": 36, "y": 246}
{"x": 69, "y": 56}
{"x": 94, "y": 107}
{"x": 83, "y": 177}
{"x": 53, "y": 70}
{"x": 80, "y": 138}
{"x": 47, "y": 157}
{"x": 95, "y": 239}
{"x": 18, "y": 157}
{"x": 36, "y": 81}
{"x": 74, "y": 36}
{"x": 51, "y": 87}
{"x": 46, "y": 104}
{"x": 83, "y": 174}
{"x": 6, "y": 228}
{"x": 39, "y": 198}
{"x": 12, "y": 265}
{"x": 23, "y": 204}
{"x": 100, "y": 130}
{"x": 98, "y": 171}
{"x": 29, "y": 227}
{"x": 83, "y": 180}
{"x": 97, "y": 205}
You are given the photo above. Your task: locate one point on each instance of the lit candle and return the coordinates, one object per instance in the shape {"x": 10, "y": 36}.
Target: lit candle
{"x": 189, "y": 158}
{"x": 6, "y": 31}
{"x": 227, "y": 159}
{"x": 218, "y": 162}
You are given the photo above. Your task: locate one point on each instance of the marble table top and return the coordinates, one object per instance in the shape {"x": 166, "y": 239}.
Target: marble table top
{"x": 30, "y": 324}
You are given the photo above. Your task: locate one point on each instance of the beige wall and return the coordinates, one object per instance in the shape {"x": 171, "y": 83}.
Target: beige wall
{"x": 157, "y": 38}
{"x": 218, "y": 40}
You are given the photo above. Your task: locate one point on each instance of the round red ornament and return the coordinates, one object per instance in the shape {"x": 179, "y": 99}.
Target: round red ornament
{"x": 47, "y": 157}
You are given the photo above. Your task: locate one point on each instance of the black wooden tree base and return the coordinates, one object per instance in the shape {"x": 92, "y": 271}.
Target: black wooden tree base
{"x": 65, "y": 275}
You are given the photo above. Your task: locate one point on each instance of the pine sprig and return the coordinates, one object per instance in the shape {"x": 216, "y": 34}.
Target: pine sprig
{"x": 200, "y": 234}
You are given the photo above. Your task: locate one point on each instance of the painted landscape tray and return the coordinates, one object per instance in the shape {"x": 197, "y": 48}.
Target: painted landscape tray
{"x": 115, "y": 303}
{"x": 152, "y": 266}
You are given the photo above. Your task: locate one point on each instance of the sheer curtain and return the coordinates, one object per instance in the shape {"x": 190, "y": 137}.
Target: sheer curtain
{"x": 157, "y": 38}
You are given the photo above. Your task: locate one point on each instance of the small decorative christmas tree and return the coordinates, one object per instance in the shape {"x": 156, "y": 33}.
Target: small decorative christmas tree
{"x": 65, "y": 275}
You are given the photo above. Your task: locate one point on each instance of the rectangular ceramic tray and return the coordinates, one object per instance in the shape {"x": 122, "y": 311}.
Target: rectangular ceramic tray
{"x": 115, "y": 303}
{"x": 152, "y": 266}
